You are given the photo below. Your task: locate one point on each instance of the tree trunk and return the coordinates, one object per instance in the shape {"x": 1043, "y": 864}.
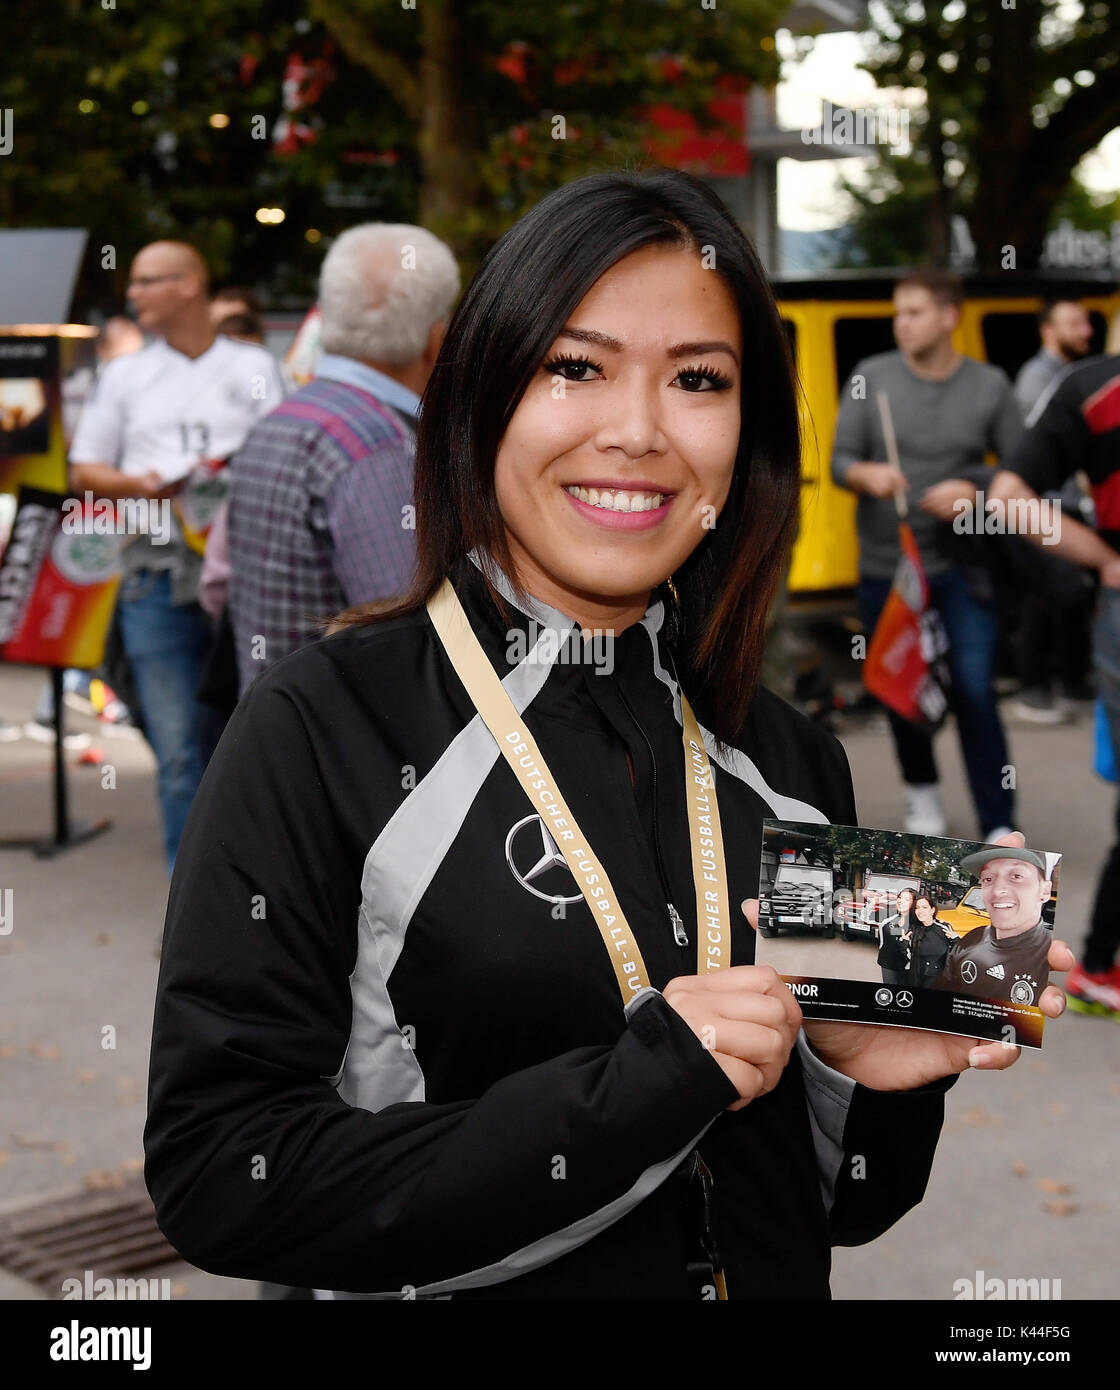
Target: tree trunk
{"x": 937, "y": 228}
{"x": 452, "y": 198}
{"x": 1007, "y": 209}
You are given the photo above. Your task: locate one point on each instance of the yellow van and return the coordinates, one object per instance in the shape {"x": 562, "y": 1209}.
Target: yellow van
{"x": 838, "y": 317}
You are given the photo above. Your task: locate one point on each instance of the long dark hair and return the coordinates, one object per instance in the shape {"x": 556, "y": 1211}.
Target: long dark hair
{"x": 522, "y": 295}
{"x": 934, "y": 920}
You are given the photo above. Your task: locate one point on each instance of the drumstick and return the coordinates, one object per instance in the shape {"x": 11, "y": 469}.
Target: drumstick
{"x": 892, "y": 450}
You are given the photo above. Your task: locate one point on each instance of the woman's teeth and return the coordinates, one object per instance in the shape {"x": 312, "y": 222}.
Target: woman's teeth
{"x": 616, "y": 500}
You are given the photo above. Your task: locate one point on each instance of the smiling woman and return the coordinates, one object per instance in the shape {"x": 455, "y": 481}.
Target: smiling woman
{"x": 622, "y": 338}
{"x": 605, "y": 495}
{"x": 453, "y": 956}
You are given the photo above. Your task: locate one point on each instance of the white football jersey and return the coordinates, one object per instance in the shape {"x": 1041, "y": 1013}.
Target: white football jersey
{"x": 158, "y": 410}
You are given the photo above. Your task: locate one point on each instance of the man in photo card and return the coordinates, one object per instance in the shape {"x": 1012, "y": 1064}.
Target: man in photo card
{"x": 1005, "y": 960}
{"x": 922, "y": 931}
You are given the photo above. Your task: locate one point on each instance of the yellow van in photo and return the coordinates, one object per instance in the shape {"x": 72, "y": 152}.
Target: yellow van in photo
{"x": 835, "y": 319}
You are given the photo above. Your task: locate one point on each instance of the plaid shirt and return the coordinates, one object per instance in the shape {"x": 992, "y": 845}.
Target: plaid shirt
{"x": 320, "y": 510}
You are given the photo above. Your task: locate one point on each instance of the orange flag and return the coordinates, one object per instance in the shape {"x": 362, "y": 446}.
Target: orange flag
{"x": 904, "y": 666}
{"x": 902, "y": 661}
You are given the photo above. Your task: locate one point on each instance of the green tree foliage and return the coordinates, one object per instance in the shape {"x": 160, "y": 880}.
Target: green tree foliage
{"x": 510, "y": 101}
{"x": 891, "y": 206}
{"x": 1088, "y": 211}
{"x": 424, "y": 118}
{"x": 854, "y": 851}
{"x": 111, "y": 112}
{"x": 1016, "y": 93}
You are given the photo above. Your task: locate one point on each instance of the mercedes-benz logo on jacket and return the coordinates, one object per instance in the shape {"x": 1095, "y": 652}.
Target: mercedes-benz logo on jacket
{"x": 548, "y": 856}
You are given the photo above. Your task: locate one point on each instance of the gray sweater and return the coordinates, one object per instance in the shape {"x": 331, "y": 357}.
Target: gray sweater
{"x": 1035, "y": 375}
{"x": 944, "y": 430}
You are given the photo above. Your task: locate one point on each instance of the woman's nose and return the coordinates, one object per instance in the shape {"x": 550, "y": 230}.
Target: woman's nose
{"x": 632, "y": 418}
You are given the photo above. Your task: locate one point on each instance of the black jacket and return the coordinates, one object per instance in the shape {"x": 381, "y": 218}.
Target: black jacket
{"x": 929, "y": 947}
{"x": 389, "y": 1050}
{"x": 893, "y": 951}
{"x": 1075, "y": 424}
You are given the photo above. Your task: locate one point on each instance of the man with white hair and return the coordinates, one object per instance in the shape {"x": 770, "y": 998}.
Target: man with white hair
{"x": 321, "y": 508}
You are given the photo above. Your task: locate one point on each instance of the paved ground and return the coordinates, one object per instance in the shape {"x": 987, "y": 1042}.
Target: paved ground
{"x": 1024, "y": 1183}
{"x": 809, "y": 953}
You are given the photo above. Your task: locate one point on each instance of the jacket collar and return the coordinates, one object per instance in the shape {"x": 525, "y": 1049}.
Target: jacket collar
{"x": 542, "y": 636}
{"x": 541, "y": 613}
{"x": 348, "y": 370}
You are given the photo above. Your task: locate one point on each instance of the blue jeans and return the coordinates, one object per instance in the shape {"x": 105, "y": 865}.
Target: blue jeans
{"x": 73, "y": 681}
{"x": 971, "y": 624}
{"x": 166, "y": 645}
{"x": 1104, "y": 925}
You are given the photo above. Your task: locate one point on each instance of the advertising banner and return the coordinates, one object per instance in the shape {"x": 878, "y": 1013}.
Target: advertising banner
{"x": 58, "y": 585}
{"x": 44, "y": 381}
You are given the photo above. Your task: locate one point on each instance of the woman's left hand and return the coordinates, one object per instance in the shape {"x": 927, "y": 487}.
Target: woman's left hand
{"x": 899, "y": 1059}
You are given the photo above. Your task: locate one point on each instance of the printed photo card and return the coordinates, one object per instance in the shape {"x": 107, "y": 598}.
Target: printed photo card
{"x": 914, "y": 931}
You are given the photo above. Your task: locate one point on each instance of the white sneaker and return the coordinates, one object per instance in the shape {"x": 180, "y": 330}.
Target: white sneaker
{"x": 44, "y": 733}
{"x": 999, "y": 833}
{"x": 924, "y": 815}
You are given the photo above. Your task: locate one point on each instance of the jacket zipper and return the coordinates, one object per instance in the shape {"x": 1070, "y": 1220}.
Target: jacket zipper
{"x": 680, "y": 936}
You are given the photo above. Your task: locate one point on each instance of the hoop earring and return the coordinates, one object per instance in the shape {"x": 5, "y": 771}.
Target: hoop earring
{"x": 673, "y": 589}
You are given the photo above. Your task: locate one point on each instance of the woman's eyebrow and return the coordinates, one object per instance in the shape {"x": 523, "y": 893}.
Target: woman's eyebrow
{"x": 591, "y": 335}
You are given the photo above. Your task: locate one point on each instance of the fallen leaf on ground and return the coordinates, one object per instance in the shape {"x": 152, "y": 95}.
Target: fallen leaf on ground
{"x": 1060, "y": 1208}
{"x": 101, "y": 1178}
{"x": 1019, "y": 1168}
{"x": 10, "y": 1050}
{"x": 133, "y": 1165}
{"x": 977, "y": 1115}
{"x": 103, "y": 938}
{"x": 1053, "y": 1185}
{"x": 4, "y": 1156}
{"x": 47, "y": 1052}
{"x": 1057, "y": 1108}
{"x": 32, "y": 1141}
{"x": 86, "y": 1074}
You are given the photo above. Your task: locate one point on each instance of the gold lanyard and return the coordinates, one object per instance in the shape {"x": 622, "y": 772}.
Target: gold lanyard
{"x": 519, "y": 748}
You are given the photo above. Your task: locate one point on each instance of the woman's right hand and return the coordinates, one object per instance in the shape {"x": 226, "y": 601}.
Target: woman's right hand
{"x": 747, "y": 1017}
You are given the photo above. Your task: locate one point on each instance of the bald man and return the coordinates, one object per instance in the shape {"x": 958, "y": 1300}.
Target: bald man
{"x": 156, "y": 416}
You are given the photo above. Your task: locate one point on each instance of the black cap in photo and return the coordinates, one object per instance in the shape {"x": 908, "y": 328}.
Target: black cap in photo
{"x": 973, "y": 863}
